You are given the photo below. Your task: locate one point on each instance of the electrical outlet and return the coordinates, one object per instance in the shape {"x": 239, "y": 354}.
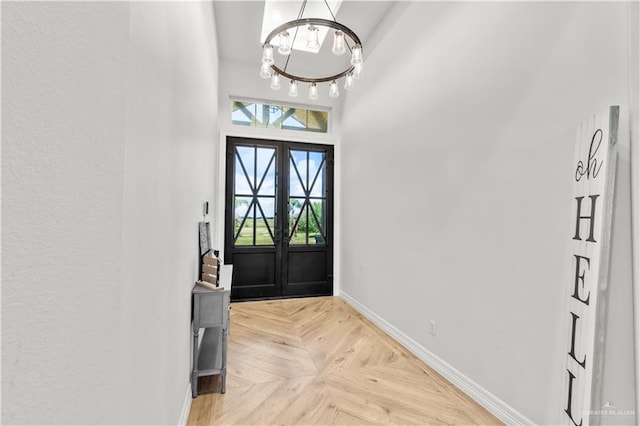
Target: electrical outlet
{"x": 433, "y": 327}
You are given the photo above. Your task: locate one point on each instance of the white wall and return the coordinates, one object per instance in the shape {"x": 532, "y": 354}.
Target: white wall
{"x": 169, "y": 170}
{"x": 456, "y": 155}
{"x": 108, "y": 145}
{"x": 63, "y": 110}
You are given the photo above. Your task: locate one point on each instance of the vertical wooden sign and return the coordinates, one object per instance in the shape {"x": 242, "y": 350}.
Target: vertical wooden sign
{"x": 592, "y": 202}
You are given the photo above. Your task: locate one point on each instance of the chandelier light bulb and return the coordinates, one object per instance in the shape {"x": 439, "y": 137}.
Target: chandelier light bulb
{"x": 312, "y": 39}
{"x": 333, "y": 89}
{"x": 275, "y": 81}
{"x": 348, "y": 82}
{"x": 357, "y": 71}
{"x": 285, "y": 43}
{"x": 338, "y": 43}
{"x": 265, "y": 70}
{"x": 293, "y": 88}
{"x": 356, "y": 55}
{"x": 267, "y": 54}
{"x": 313, "y": 91}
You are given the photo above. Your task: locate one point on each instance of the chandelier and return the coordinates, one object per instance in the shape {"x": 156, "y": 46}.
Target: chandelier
{"x": 284, "y": 38}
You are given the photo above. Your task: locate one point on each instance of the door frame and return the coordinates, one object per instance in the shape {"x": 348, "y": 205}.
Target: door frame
{"x": 218, "y": 210}
{"x": 288, "y": 279}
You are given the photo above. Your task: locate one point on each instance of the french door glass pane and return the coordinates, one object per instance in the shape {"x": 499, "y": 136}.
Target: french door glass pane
{"x": 243, "y": 226}
{"x": 307, "y": 197}
{"x": 245, "y": 160}
{"x": 266, "y": 171}
{"x": 297, "y": 173}
{"x": 264, "y": 225}
{"x": 255, "y": 193}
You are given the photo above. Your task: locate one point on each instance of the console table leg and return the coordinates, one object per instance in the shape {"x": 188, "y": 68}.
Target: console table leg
{"x": 194, "y": 372}
{"x": 194, "y": 384}
{"x": 223, "y": 370}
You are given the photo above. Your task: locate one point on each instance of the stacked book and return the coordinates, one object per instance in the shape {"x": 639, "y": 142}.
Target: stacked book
{"x": 211, "y": 268}
{"x": 204, "y": 287}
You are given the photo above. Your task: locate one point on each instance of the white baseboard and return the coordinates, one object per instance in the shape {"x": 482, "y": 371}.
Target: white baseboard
{"x": 186, "y": 407}
{"x": 490, "y": 402}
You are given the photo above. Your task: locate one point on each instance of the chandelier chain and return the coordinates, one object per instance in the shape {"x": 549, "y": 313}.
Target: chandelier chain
{"x": 332, "y": 15}
{"x": 295, "y": 35}
{"x": 304, "y": 5}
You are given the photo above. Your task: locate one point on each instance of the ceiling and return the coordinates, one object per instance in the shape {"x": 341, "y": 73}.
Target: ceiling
{"x": 239, "y": 25}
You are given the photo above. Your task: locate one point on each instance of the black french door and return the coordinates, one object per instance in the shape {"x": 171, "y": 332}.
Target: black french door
{"x": 279, "y": 218}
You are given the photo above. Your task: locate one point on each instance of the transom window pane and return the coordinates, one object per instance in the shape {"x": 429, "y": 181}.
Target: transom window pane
{"x": 254, "y": 114}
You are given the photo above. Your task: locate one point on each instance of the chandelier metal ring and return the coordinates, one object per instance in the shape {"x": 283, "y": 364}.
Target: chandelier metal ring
{"x": 313, "y": 21}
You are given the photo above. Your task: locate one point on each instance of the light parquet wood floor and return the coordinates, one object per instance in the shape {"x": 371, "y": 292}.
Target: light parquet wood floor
{"x": 316, "y": 361}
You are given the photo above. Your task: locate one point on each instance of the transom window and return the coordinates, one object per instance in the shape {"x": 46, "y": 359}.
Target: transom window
{"x": 255, "y": 114}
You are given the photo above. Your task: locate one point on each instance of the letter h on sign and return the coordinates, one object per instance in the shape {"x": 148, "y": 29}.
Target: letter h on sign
{"x": 591, "y": 218}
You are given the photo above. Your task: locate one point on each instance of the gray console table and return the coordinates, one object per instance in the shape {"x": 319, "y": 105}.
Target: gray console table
{"x": 211, "y": 313}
